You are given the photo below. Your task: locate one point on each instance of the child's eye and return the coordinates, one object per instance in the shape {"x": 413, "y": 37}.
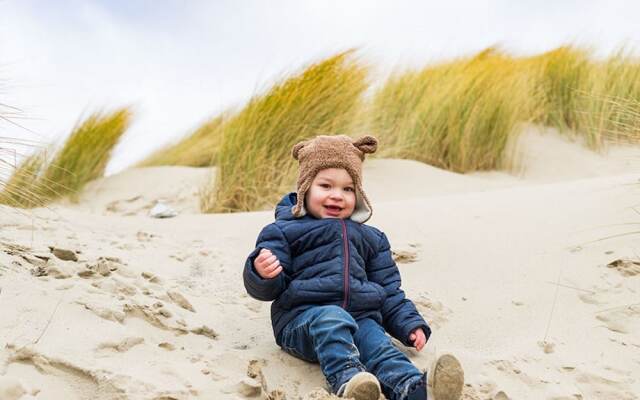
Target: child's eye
{"x": 349, "y": 189}
{"x": 324, "y": 185}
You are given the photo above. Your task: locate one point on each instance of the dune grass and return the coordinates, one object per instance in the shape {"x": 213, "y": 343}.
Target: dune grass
{"x": 16, "y": 180}
{"x": 22, "y": 188}
{"x": 461, "y": 114}
{"x": 562, "y": 75}
{"x": 85, "y": 154}
{"x": 82, "y": 158}
{"x": 199, "y": 149}
{"x": 254, "y": 161}
{"x": 622, "y": 123}
{"x": 608, "y": 108}
{"x": 458, "y": 116}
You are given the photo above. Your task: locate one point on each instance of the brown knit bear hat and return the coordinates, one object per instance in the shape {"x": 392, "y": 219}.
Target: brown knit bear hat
{"x": 340, "y": 151}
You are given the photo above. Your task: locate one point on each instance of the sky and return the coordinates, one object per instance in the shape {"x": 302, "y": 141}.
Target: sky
{"x": 178, "y": 63}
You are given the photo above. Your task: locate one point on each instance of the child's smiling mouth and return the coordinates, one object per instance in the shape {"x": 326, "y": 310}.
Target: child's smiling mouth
{"x": 333, "y": 210}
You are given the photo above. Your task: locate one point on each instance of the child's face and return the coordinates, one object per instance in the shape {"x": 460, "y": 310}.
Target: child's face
{"x": 332, "y": 194}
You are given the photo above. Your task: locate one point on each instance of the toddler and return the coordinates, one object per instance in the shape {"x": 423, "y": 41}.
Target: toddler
{"x": 334, "y": 285}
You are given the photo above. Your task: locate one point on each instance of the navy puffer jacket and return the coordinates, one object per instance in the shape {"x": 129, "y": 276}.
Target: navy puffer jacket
{"x": 331, "y": 262}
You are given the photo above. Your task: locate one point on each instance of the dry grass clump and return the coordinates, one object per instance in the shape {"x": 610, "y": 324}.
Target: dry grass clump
{"x": 86, "y": 152}
{"x": 609, "y": 108}
{"x": 199, "y": 149}
{"x": 82, "y": 158}
{"x": 16, "y": 181}
{"x": 561, "y": 76}
{"x": 456, "y": 116}
{"x": 254, "y": 162}
{"x": 588, "y": 97}
{"x": 22, "y": 187}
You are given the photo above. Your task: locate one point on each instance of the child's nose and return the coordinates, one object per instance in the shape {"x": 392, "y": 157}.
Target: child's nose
{"x": 337, "y": 194}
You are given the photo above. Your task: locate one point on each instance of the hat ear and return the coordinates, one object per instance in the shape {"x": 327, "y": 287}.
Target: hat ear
{"x": 367, "y": 144}
{"x": 296, "y": 148}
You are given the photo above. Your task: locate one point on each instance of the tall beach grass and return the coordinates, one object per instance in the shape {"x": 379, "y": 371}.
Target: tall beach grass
{"x": 85, "y": 154}
{"x": 561, "y": 76}
{"x": 21, "y": 187}
{"x": 199, "y": 149}
{"x": 82, "y": 158}
{"x": 458, "y": 115}
{"x": 16, "y": 177}
{"x": 608, "y": 106}
{"x": 585, "y": 96}
{"x": 254, "y": 159}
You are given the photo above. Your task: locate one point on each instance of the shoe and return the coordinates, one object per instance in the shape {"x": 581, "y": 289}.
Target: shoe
{"x": 448, "y": 378}
{"x": 418, "y": 390}
{"x": 362, "y": 386}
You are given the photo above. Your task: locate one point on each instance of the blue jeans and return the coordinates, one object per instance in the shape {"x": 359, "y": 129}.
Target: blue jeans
{"x": 343, "y": 346}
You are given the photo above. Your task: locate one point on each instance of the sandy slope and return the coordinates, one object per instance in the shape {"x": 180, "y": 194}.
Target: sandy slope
{"x": 511, "y": 272}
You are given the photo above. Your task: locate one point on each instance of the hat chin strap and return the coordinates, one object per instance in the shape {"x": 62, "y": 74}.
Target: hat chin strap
{"x": 303, "y": 210}
{"x": 361, "y": 212}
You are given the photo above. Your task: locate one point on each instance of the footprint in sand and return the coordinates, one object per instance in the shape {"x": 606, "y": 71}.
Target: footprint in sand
{"x": 179, "y": 299}
{"x": 254, "y": 305}
{"x": 122, "y": 345}
{"x": 83, "y": 382}
{"x": 42, "y": 264}
{"x": 102, "y": 267}
{"x": 592, "y": 297}
{"x": 167, "y": 346}
{"x": 511, "y": 369}
{"x": 593, "y": 386}
{"x": 625, "y": 267}
{"x": 53, "y": 270}
{"x": 11, "y": 389}
{"x": 180, "y": 256}
{"x": 142, "y": 236}
{"x": 151, "y": 277}
{"x": 405, "y": 255}
{"x": 434, "y": 311}
{"x": 619, "y": 319}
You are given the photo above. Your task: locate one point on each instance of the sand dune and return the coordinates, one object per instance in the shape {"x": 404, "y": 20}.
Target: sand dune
{"x": 529, "y": 278}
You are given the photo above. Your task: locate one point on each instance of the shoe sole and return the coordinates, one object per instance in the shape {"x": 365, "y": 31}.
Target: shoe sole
{"x": 363, "y": 388}
{"x": 448, "y": 378}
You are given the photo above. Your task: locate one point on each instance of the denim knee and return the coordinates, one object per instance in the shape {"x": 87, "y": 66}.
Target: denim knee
{"x": 335, "y": 317}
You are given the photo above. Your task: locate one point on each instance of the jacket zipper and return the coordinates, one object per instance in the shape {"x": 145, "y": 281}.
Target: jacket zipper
{"x": 345, "y": 240}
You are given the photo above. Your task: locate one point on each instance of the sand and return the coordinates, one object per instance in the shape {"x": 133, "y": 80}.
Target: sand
{"x": 531, "y": 278}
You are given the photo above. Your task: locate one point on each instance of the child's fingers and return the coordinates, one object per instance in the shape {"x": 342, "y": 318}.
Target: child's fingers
{"x": 275, "y": 264}
{"x": 274, "y": 273}
{"x": 265, "y": 268}
{"x": 264, "y": 253}
{"x": 420, "y": 341}
{"x": 268, "y": 260}
{"x": 269, "y": 271}
{"x": 265, "y": 261}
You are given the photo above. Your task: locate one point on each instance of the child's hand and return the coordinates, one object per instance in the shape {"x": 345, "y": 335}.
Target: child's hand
{"x": 418, "y": 339}
{"x": 267, "y": 265}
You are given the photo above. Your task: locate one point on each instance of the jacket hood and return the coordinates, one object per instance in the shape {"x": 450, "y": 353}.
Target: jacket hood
{"x": 284, "y": 208}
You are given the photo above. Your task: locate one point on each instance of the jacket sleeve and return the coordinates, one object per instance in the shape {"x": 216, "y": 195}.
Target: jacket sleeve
{"x": 272, "y": 238}
{"x": 399, "y": 315}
